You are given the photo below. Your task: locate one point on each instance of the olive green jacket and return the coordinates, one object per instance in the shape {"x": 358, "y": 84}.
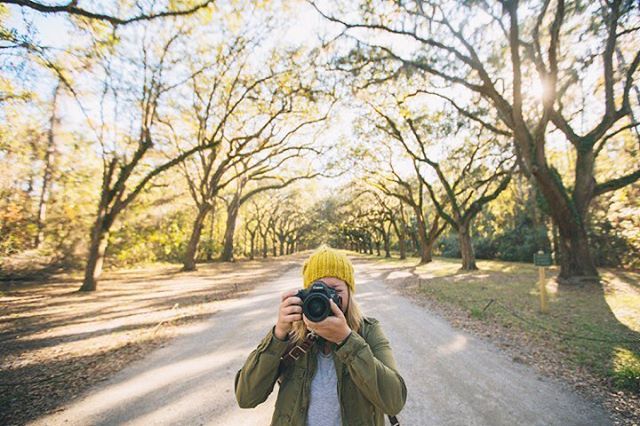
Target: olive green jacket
{"x": 369, "y": 385}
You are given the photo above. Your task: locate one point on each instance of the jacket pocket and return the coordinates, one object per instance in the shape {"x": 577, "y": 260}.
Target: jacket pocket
{"x": 289, "y": 398}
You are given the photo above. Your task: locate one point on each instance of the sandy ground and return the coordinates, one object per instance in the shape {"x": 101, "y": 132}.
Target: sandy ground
{"x": 56, "y": 342}
{"x": 452, "y": 377}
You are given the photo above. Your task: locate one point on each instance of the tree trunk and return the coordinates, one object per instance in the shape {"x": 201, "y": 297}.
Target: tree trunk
{"x": 48, "y": 171}
{"x": 414, "y": 240}
{"x": 466, "y": 249}
{"x": 424, "y": 246}
{"x": 425, "y": 253}
{"x": 569, "y": 214}
{"x": 253, "y": 245}
{"x": 576, "y": 264}
{"x": 401, "y": 240}
{"x": 265, "y": 248}
{"x": 97, "y": 250}
{"x": 402, "y": 247}
{"x": 232, "y": 215}
{"x": 386, "y": 236}
{"x": 212, "y": 223}
{"x": 378, "y": 248}
{"x": 556, "y": 243}
{"x": 189, "y": 261}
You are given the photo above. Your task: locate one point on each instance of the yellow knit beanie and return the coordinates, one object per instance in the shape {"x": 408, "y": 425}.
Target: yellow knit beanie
{"x": 328, "y": 262}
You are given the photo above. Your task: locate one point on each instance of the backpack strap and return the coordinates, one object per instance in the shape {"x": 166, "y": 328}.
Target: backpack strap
{"x": 295, "y": 351}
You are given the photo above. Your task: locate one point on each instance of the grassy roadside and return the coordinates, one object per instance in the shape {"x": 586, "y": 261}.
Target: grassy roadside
{"x": 590, "y": 336}
{"x": 56, "y": 342}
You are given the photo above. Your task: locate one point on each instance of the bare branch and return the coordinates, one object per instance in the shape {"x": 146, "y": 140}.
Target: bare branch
{"x": 72, "y": 9}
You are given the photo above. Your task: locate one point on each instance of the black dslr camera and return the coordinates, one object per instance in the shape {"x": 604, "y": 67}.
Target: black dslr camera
{"x": 315, "y": 301}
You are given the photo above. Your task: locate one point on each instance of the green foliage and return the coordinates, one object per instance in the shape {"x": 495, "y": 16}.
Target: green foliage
{"x": 16, "y": 230}
{"x": 614, "y": 229}
{"x": 520, "y": 242}
{"x": 609, "y": 247}
{"x": 626, "y": 370}
{"x": 477, "y": 313}
{"x": 448, "y": 246}
{"x": 209, "y": 248}
{"x": 161, "y": 240}
{"x": 515, "y": 243}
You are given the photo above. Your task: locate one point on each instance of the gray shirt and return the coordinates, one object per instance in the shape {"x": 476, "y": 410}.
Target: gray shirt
{"x": 324, "y": 406}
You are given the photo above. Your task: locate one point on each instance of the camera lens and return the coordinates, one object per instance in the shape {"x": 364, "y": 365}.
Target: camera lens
{"x": 316, "y": 308}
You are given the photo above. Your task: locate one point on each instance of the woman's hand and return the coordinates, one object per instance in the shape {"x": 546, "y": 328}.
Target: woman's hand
{"x": 290, "y": 311}
{"x": 333, "y": 328}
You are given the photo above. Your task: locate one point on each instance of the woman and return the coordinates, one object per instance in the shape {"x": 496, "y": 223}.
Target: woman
{"x": 348, "y": 377}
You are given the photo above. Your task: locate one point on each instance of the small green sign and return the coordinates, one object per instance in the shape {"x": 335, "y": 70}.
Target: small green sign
{"x": 542, "y": 259}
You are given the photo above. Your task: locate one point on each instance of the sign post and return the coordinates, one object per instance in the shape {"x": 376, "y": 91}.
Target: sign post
{"x": 542, "y": 260}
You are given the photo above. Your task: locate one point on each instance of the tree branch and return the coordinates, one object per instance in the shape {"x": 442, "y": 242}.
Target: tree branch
{"x": 71, "y": 9}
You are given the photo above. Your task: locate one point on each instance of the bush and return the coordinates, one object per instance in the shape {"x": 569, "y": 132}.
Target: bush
{"x": 518, "y": 244}
{"x": 608, "y": 247}
{"x": 515, "y": 244}
{"x": 485, "y": 248}
{"x": 145, "y": 242}
{"x": 448, "y": 246}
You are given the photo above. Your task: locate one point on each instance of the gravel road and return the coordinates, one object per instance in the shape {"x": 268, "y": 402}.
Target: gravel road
{"x": 452, "y": 377}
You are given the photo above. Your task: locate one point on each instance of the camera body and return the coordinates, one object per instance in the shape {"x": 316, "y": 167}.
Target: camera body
{"x": 315, "y": 300}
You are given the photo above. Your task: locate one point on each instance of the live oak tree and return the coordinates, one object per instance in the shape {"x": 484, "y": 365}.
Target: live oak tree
{"x": 356, "y": 230}
{"x": 526, "y": 66}
{"x": 223, "y": 97}
{"x": 378, "y": 217}
{"x": 258, "y": 216}
{"x": 132, "y": 161}
{"x": 265, "y": 229}
{"x": 249, "y": 115}
{"x": 252, "y": 225}
{"x": 49, "y": 168}
{"x": 264, "y": 174}
{"x": 471, "y": 175}
{"x": 380, "y": 169}
{"x": 287, "y": 223}
{"x": 390, "y": 215}
{"x": 412, "y": 192}
{"x": 380, "y": 222}
{"x": 397, "y": 216}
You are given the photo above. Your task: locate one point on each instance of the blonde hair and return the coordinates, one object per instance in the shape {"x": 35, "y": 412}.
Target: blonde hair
{"x": 353, "y": 316}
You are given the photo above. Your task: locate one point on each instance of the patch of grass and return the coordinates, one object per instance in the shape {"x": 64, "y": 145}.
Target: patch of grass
{"x": 477, "y": 313}
{"x": 626, "y": 370}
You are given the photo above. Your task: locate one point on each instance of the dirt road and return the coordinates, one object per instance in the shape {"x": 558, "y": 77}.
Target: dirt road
{"x": 452, "y": 377}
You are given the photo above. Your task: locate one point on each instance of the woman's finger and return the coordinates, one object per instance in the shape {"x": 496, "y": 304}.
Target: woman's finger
{"x": 284, "y": 296}
{"x": 292, "y": 301}
{"x": 335, "y": 309}
{"x": 292, "y": 309}
{"x": 292, "y": 317}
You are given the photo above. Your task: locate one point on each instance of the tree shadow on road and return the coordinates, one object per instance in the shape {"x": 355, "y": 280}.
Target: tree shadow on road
{"x": 50, "y": 328}
{"x": 591, "y": 335}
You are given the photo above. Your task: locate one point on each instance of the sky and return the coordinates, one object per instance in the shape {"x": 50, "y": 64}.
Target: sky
{"x": 303, "y": 26}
